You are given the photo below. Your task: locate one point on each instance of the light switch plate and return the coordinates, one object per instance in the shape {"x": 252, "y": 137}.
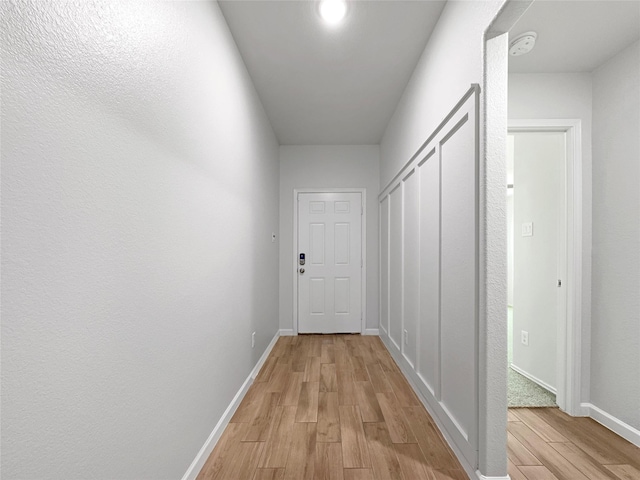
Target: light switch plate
{"x": 527, "y": 229}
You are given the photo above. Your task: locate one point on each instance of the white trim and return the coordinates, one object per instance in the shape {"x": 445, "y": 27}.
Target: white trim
{"x": 525, "y": 374}
{"x": 265, "y": 355}
{"x": 287, "y": 332}
{"x": 484, "y": 477}
{"x": 210, "y": 443}
{"x": 569, "y": 344}
{"x": 372, "y": 331}
{"x": 363, "y": 193}
{"x": 614, "y": 424}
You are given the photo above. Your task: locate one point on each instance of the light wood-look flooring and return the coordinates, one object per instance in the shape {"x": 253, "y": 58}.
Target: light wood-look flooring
{"x": 547, "y": 444}
{"x": 331, "y": 407}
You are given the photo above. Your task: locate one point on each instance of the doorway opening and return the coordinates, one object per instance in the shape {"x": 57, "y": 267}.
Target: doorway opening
{"x": 547, "y": 274}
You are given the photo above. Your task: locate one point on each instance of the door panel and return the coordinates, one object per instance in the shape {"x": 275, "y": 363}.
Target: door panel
{"x": 342, "y": 243}
{"x": 316, "y": 249}
{"x": 316, "y": 296}
{"x": 330, "y": 287}
{"x": 341, "y": 292}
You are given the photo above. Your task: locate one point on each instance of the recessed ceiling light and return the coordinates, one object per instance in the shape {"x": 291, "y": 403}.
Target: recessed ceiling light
{"x": 333, "y": 11}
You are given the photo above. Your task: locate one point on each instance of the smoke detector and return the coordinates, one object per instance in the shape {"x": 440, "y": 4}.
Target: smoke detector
{"x": 522, "y": 44}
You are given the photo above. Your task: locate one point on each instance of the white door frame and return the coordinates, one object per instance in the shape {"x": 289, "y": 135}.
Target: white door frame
{"x": 363, "y": 300}
{"x": 569, "y": 340}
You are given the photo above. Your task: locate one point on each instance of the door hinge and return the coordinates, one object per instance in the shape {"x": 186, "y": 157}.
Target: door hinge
{"x": 559, "y": 282}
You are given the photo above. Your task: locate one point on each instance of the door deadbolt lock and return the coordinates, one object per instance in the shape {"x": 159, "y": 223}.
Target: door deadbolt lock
{"x": 301, "y": 271}
{"x": 302, "y": 259}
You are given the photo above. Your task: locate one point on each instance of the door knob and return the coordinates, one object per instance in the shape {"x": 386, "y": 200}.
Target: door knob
{"x": 301, "y": 271}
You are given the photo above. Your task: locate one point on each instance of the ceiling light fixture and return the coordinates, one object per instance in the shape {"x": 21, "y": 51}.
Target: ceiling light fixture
{"x": 522, "y": 44}
{"x": 333, "y": 11}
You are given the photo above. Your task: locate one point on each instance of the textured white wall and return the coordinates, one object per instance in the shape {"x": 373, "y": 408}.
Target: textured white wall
{"x": 615, "y": 347}
{"x": 139, "y": 193}
{"x": 327, "y": 166}
{"x": 537, "y": 197}
{"x": 566, "y": 96}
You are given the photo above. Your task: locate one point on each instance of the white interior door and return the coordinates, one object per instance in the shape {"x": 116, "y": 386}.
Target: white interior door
{"x": 539, "y": 310}
{"x": 330, "y": 281}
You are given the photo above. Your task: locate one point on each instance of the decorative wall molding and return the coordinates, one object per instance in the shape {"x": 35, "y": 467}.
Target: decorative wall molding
{"x": 429, "y": 274}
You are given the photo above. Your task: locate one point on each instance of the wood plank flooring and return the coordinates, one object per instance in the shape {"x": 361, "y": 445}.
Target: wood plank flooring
{"x": 547, "y": 444}
{"x": 336, "y": 407}
{"x": 331, "y": 407}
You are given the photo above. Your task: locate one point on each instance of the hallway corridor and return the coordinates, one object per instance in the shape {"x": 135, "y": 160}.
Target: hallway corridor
{"x": 331, "y": 407}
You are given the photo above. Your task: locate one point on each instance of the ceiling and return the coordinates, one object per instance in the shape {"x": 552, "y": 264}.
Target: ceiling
{"x": 322, "y": 85}
{"x": 336, "y": 86}
{"x": 575, "y": 36}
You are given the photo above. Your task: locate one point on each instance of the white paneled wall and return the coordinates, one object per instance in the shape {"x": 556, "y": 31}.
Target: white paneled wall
{"x": 429, "y": 272}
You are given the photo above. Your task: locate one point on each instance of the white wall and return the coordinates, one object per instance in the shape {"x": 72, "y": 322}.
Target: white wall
{"x": 327, "y": 166}
{"x": 538, "y": 198}
{"x": 437, "y": 82}
{"x": 615, "y": 348}
{"x": 139, "y": 193}
{"x": 451, "y": 62}
{"x": 564, "y": 96}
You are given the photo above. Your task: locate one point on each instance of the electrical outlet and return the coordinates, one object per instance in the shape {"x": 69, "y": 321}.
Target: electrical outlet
{"x": 253, "y": 339}
{"x": 406, "y": 337}
{"x": 527, "y": 229}
{"x": 524, "y": 337}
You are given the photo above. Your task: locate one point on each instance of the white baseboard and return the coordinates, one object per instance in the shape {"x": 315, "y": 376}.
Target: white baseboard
{"x": 544, "y": 385}
{"x": 372, "y": 331}
{"x": 210, "y": 443}
{"x": 614, "y": 424}
{"x": 287, "y": 332}
{"x": 484, "y": 477}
